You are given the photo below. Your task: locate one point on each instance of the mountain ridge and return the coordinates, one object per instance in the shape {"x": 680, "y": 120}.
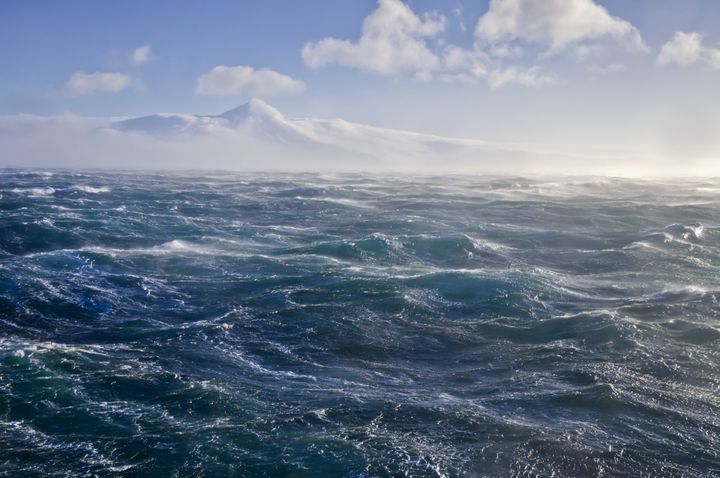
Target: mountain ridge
{"x": 262, "y": 122}
{"x": 257, "y": 136}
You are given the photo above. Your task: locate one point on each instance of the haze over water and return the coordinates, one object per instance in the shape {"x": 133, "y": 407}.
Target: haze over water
{"x": 222, "y": 324}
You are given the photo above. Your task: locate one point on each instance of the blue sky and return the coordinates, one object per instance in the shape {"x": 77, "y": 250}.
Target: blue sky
{"x": 607, "y": 86}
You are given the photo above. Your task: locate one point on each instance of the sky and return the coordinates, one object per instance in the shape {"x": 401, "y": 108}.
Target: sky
{"x": 571, "y": 72}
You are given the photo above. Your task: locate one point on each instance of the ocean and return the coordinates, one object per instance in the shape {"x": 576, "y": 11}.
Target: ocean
{"x": 275, "y": 325}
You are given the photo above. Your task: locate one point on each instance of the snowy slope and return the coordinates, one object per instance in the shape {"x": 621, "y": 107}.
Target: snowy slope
{"x": 261, "y": 122}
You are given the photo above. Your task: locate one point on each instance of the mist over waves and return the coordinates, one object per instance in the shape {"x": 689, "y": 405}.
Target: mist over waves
{"x": 257, "y": 137}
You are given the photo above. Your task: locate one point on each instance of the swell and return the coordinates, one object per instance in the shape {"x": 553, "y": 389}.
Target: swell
{"x": 357, "y": 325}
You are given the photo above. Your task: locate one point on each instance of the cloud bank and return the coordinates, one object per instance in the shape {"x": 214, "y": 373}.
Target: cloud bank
{"x": 257, "y": 137}
{"x": 395, "y": 41}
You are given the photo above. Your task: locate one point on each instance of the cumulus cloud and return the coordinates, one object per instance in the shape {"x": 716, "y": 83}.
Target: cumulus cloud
{"x": 558, "y": 24}
{"x": 235, "y": 80}
{"x": 81, "y": 83}
{"x": 394, "y": 40}
{"x": 141, "y": 55}
{"x": 687, "y": 49}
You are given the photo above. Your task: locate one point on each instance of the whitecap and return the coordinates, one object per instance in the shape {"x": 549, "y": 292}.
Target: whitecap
{"x": 170, "y": 247}
{"x": 89, "y": 189}
{"x": 672, "y": 295}
{"x": 35, "y": 192}
{"x": 45, "y": 222}
{"x": 342, "y": 201}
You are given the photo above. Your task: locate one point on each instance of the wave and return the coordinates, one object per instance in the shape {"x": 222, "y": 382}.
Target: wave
{"x": 342, "y": 201}
{"x": 50, "y": 191}
{"x": 449, "y": 250}
{"x": 461, "y": 326}
{"x": 35, "y": 192}
{"x": 89, "y": 189}
{"x": 175, "y": 246}
{"x": 672, "y": 296}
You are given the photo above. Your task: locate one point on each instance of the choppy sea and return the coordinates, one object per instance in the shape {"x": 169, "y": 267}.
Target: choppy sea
{"x": 225, "y": 324}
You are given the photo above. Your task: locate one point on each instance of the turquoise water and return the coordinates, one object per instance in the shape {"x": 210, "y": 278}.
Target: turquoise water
{"x": 220, "y": 324}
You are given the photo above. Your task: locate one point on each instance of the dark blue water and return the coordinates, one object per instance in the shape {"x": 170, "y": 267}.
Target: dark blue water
{"x": 362, "y": 326}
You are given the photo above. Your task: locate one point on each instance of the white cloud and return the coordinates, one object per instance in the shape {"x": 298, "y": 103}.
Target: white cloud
{"x": 141, "y": 55}
{"x": 687, "y": 49}
{"x": 394, "y": 40}
{"x": 606, "y": 69}
{"x": 463, "y": 65}
{"x": 235, "y": 80}
{"x": 515, "y": 75}
{"x": 465, "y": 62}
{"x": 81, "y": 83}
{"x": 458, "y": 14}
{"x": 559, "y": 24}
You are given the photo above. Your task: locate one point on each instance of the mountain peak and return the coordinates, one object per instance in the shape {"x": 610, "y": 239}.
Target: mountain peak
{"x": 254, "y": 108}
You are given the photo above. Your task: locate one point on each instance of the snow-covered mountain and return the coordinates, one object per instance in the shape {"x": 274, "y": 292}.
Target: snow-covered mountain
{"x": 260, "y": 122}
{"x": 256, "y": 136}
{"x": 254, "y": 117}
